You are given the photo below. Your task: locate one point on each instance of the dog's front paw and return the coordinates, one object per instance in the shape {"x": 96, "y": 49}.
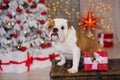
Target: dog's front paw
{"x": 61, "y": 63}
{"x": 72, "y": 70}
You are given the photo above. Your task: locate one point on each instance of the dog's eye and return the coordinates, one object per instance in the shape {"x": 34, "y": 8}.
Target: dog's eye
{"x": 62, "y": 28}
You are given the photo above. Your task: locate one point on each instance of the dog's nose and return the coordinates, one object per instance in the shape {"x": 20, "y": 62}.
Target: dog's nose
{"x": 55, "y": 30}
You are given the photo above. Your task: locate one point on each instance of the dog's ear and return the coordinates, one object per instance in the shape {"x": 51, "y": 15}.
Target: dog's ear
{"x": 49, "y": 23}
{"x": 69, "y": 24}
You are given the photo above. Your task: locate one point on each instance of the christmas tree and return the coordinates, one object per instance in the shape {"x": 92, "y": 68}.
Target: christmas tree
{"x": 21, "y": 24}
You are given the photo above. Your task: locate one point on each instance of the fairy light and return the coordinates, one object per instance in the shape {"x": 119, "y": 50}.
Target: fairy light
{"x": 8, "y": 42}
{"x": 104, "y": 9}
{"x": 100, "y": 8}
{"x": 42, "y": 41}
{"x": 63, "y": 9}
{"x": 25, "y": 32}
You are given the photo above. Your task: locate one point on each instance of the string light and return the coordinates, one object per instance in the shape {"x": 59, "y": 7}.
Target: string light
{"x": 42, "y": 41}
{"x": 25, "y": 32}
{"x": 63, "y": 9}
{"x": 102, "y": 8}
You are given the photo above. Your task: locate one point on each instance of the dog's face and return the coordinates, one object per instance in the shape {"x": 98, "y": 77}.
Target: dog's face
{"x": 57, "y": 29}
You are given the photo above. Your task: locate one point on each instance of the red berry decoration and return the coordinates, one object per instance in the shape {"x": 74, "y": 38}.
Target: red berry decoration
{"x": 29, "y": 1}
{"x": 15, "y": 35}
{"x": 6, "y": 1}
{"x": 42, "y": 1}
{"x": 1, "y": 7}
{"x": 39, "y": 31}
{"x": 23, "y": 48}
{"x": 18, "y": 9}
{"x": 34, "y": 5}
{"x": 18, "y": 21}
{"x": 27, "y": 11}
{"x": 49, "y": 44}
{"x": 43, "y": 45}
{"x": 43, "y": 13}
{"x": 42, "y": 21}
{"x": 9, "y": 15}
{"x": 5, "y": 7}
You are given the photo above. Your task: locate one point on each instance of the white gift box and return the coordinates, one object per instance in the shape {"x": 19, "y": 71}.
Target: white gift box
{"x": 5, "y": 58}
{"x": 34, "y": 53}
{"x": 19, "y": 56}
{"x": 44, "y": 53}
{"x": 38, "y": 58}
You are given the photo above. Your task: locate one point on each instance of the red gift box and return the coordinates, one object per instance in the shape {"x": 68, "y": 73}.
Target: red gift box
{"x": 105, "y": 39}
{"x": 96, "y": 61}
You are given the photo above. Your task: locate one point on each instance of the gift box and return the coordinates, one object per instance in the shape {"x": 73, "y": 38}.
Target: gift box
{"x": 105, "y": 39}
{"x": 95, "y": 61}
{"x": 19, "y": 61}
{"x": 44, "y": 55}
{"x": 22, "y": 61}
{"x": 33, "y": 53}
{"x": 4, "y": 63}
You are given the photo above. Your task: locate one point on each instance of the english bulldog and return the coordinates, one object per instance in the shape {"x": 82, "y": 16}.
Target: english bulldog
{"x": 66, "y": 39}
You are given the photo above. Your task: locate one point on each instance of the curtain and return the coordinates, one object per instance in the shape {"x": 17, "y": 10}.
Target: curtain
{"x": 116, "y": 17}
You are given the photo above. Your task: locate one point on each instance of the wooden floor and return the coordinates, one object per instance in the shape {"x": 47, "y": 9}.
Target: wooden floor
{"x": 43, "y": 74}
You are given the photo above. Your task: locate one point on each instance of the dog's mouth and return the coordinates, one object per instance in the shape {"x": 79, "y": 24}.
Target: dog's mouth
{"x": 54, "y": 37}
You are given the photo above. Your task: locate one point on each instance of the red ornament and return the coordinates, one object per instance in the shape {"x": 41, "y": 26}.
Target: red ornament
{"x": 9, "y": 15}
{"x": 43, "y": 45}
{"x": 43, "y": 13}
{"x": 18, "y": 21}
{"x": 1, "y": 7}
{"x": 27, "y": 11}
{"x": 42, "y": 22}
{"x": 5, "y": 7}
{"x": 49, "y": 44}
{"x": 18, "y": 9}
{"x": 15, "y": 35}
{"x": 34, "y": 5}
{"x": 23, "y": 48}
{"x": 42, "y": 1}
{"x": 39, "y": 31}
{"x": 6, "y": 1}
{"x": 29, "y": 1}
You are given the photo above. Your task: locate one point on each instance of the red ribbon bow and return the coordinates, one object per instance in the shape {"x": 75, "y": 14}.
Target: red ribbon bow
{"x": 29, "y": 61}
{"x": 52, "y": 56}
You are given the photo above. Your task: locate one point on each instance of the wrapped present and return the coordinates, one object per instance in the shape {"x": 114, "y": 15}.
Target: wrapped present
{"x": 18, "y": 61}
{"x": 105, "y": 39}
{"x": 96, "y": 61}
{"x": 44, "y": 55}
{"x": 34, "y": 54}
{"x": 22, "y": 61}
{"x": 4, "y": 63}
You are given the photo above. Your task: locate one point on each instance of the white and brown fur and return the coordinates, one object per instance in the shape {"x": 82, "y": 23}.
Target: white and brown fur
{"x": 73, "y": 42}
